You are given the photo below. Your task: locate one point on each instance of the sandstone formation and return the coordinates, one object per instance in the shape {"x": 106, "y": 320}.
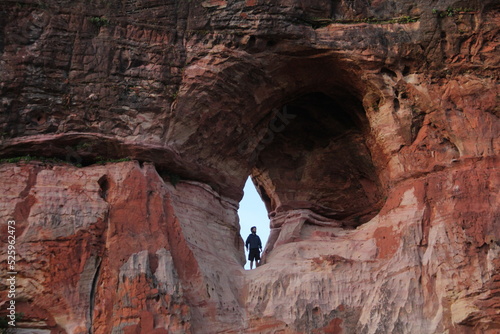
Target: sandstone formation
{"x": 370, "y": 129}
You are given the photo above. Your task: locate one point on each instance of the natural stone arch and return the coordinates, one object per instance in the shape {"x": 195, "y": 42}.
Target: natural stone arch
{"x": 314, "y": 169}
{"x": 246, "y": 103}
{"x": 236, "y": 101}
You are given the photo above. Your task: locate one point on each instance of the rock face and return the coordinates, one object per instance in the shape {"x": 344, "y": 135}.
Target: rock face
{"x": 370, "y": 129}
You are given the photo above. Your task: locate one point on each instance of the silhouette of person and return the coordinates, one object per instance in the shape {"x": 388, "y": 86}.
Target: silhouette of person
{"x": 254, "y": 246}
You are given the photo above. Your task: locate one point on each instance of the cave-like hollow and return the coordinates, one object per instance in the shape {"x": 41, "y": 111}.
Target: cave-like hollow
{"x": 316, "y": 156}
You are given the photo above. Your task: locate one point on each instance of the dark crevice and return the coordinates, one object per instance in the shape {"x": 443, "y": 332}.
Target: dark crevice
{"x": 406, "y": 70}
{"x": 93, "y": 293}
{"x": 416, "y": 124}
{"x": 251, "y": 42}
{"x": 153, "y": 262}
{"x": 396, "y": 105}
{"x": 103, "y": 186}
{"x": 388, "y": 72}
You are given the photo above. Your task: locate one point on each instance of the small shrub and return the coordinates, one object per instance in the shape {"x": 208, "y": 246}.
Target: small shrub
{"x": 173, "y": 178}
{"x": 407, "y": 19}
{"x": 450, "y": 11}
{"x": 99, "y": 21}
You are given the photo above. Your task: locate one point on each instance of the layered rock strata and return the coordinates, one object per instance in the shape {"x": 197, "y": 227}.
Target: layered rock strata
{"x": 371, "y": 131}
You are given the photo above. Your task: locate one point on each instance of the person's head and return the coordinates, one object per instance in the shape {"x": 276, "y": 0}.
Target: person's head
{"x": 253, "y": 229}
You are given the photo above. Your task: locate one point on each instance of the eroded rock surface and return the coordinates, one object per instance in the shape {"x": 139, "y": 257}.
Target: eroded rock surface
{"x": 371, "y": 131}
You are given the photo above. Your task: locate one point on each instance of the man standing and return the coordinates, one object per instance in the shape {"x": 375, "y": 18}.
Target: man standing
{"x": 255, "y": 248}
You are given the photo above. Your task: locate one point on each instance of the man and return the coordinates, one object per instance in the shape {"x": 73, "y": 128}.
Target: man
{"x": 255, "y": 248}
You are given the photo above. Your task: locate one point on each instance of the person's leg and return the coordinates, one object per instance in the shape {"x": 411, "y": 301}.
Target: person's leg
{"x": 251, "y": 257}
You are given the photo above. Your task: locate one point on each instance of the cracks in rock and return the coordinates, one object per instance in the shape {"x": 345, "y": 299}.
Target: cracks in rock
{"x": 93, "y": 289}
{"x": 431, "y": 47}
{"x": 417, "y": 121}
{"x": 426, "y": 217}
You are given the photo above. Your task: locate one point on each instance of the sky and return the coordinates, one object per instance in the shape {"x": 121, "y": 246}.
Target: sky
{"x": 252, "y": 212}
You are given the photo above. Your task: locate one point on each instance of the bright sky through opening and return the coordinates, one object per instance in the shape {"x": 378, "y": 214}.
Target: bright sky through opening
{"x": 252, "y": 212}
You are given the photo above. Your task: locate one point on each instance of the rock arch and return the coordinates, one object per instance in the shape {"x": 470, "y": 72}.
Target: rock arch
{"x": 296, "y": 120}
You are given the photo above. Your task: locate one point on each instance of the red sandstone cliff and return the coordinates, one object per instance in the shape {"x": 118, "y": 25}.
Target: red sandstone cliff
{"x": 371, "y": 130}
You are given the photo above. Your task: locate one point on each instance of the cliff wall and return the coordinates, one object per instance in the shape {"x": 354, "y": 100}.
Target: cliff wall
{"x": 370, "y": 129}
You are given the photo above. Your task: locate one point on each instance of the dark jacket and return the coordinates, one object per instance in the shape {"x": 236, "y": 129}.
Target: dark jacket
{"x": 254, "y": 241}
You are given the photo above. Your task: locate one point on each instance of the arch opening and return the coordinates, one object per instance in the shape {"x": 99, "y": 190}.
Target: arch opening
{"x": 253, "y": 212}
{"x": 319, "y": 168}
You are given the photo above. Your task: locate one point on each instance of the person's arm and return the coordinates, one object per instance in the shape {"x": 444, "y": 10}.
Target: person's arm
{"x": 247, "y": 242}
{"x": 260, "y": 244}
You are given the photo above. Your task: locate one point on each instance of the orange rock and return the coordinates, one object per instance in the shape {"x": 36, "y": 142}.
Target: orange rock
{"x": 370, "y": 131}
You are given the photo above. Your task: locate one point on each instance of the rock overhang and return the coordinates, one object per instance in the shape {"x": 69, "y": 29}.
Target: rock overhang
{"x": 427, "y": 90}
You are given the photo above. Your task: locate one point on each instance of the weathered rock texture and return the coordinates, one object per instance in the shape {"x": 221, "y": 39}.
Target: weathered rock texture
{"x": 371, "y": 130}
